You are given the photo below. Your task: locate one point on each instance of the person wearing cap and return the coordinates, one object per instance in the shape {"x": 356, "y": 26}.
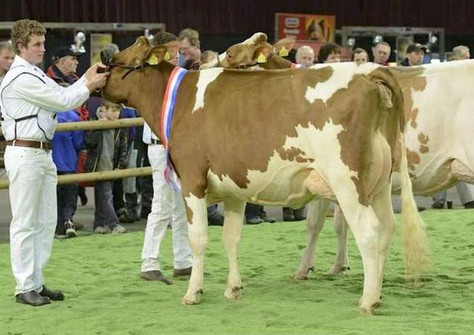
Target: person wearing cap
{"x": 29, "y": 101}
{"x": 64, "y": 67}
{"x": 414, "y": 55}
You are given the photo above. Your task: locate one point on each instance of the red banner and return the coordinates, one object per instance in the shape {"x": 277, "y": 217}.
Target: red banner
{"x": 321, "y": 28}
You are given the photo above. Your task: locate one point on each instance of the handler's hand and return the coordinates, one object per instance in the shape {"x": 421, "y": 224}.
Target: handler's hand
{"x": 94, "y": 79}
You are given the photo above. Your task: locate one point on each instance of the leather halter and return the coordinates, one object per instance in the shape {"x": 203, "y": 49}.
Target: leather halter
{"x": 109, "y": 65}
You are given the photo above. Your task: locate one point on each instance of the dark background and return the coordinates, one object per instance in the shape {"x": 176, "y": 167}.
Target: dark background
{"x": 225, "y": 22}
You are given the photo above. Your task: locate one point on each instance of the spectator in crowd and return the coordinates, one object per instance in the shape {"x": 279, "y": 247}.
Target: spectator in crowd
{"x": 465, "y": 191}
{"x": 28, "y": 104}
{"x": 125, "y": 190}
{"x": 329, "y": 53}
{"x": 63, "y": 71}
{"x": 167, "y": 206}
{"x": 191, "y": 53}
{"x": 360, "y": 56}
{"x": 6, "y": 58}
{"x": 414, "y": 55}
{"x": 461, "y": 52}
{"x": 209, "y": 59}
{"x": 304, "y": 56}
{"x": 381, "y": 52}
{"x": 190, "y": 48}
{"x": 66, "y": 146}
{"x": 107, "y": 150}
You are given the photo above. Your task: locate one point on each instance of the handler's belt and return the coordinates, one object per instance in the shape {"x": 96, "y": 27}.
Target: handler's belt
{"x": 155, "y": 142}
{"x": 30, "y": 144}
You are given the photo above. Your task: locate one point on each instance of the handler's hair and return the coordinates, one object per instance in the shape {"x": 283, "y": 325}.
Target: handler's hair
{"x": 22, "y": 31}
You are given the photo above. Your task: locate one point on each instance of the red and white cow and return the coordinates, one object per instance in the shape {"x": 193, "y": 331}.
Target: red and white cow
{"x": 439, "y": 112}
{"x": 439, "y": 123}
{"x": 322, "y": 133}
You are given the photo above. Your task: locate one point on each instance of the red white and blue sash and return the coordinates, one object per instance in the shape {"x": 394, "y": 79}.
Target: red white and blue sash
{"x": 167, "y": 110}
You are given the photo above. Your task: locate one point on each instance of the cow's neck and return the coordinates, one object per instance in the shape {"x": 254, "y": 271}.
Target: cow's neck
{"x": 154, "y": 85}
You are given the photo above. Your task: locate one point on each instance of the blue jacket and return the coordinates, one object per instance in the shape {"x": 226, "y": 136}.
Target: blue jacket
{"x": 67, "y": 144}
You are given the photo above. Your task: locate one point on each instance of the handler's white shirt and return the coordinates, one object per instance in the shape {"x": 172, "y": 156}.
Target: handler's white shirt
{"x": 26, "y": 90}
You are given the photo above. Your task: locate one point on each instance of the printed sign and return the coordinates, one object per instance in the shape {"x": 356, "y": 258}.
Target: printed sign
{"x": 321, "y": 28}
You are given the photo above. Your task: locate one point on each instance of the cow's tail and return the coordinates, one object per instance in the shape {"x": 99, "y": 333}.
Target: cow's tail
{"x": 415, "y": 243}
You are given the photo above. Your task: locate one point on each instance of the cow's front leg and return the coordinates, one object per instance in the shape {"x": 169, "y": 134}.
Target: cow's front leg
{"x": 314, "y": 222}
{"x": 197, "y": 219}
{"x": 231, "y": 233}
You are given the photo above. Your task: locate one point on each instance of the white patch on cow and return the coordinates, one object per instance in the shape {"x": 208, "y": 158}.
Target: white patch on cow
{"x": 342, "y": 75}
{"x": 276, "y": 186}
{"x": 205, "y": 78}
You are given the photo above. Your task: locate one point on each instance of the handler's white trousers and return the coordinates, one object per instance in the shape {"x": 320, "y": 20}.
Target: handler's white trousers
{"x": 167, "y": 208}
{"x": 33, "y": 180}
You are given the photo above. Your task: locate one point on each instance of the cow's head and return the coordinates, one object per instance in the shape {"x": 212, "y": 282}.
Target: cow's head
{"x": 248, "y": 53}
{"x": 256, "y": 53}
{"x": 126, "y": 64}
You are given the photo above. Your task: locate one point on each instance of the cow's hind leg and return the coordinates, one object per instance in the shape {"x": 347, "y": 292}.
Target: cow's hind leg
{"x": 314, "y": 222}
{"x": 198, "y": 241}
{"x": 341, "y": 263}
{"x": 231, "y": 233}
{"x": 382, "y": 205}
{"x": 373, "y": 238}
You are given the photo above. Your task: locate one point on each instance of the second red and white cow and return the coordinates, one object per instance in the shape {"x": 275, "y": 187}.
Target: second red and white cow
{"x": 279, "y": 138}
{"x": 438, "y": 110}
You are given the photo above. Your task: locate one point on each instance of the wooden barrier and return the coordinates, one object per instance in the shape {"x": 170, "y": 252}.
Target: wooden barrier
{"x": 97, "y": 176}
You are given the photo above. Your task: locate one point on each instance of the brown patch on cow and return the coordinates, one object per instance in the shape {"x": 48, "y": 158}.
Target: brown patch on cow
{"x": 413, "y": 159}
{"x": 410, "y": 79}
{"x": 412, "y": 120}
{"x": 423, "y": 138}
{"x": 294, "y": 154}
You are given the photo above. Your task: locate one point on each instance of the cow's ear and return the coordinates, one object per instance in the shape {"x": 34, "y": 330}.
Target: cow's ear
{"x": 262, "y": 38}
{"x": 262, "y": 52}
{"x": 155, "y": 55}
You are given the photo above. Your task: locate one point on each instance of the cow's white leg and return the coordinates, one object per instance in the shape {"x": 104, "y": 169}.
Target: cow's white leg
{"x": 341, "y": 263}
{"x": 231, "y": 233}
{"x": 372, "y": 240}
{"x": 316, "y": 213}
{"x": 382, "y": 205}
{"x": 197, "y": 216}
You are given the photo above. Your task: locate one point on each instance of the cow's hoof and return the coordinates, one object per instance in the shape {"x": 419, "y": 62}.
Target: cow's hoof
{"x": 369, "y": 308}
{"x": 301, "y": 276}
{"x": 192, "y": 298}
{"x": 233, "y": 293}
{"x": 338, "y": 270}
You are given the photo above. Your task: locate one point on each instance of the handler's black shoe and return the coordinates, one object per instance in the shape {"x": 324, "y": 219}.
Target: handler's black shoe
{"x": 52, "y": 294}
{"x": 32, "y": 298}
{"x": 155, "y": 275}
